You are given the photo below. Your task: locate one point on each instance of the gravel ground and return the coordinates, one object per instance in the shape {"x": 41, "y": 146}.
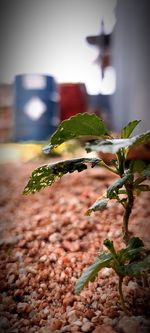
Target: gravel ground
{"x": 47, "y": 241}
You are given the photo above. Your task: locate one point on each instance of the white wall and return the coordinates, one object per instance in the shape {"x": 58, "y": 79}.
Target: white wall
{"x": 48, "y": 36}
{"x": 132, "y": 63}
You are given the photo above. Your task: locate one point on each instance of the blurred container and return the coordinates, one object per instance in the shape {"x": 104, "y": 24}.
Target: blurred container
{"x": 73, "y": 99}
{"x": 36, "y": 108}
{"x": 6, "y": 118}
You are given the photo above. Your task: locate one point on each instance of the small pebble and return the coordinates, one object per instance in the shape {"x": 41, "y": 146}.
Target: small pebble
{"x": 86, "y": 327}
{"x": 21, "y": 307}
{"x": 72, "y": 316}
{"x": 55, "y": 237}
{"x": 43, "y": 258}
{"x": 4, "y": 323}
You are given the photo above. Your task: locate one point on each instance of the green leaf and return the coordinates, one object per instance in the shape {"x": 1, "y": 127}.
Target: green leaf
{"x": 91, "y": 272}
{"x": 132, "y": 251}
{"x": 110, "y": 246}
{"x": 146, "y": 172}
{"x": 114, "y": 145}
{"x": 138, "y": 166}
{"x": 46, "y": 175}
{"x": 136, "y": 268}
{"x": 113, "y": 189}
{"x": 82, "y": 124}
{"x": 135, "y": 242}
{"x": 141, "y": 139}
{"x": 126, "y": 255}
{"x": 99, "y": 205}
{"x": 142, "y": 188}
{"x": 143, "y": 175}
{"x": 108, "y": 145}
{"x": 128, "y": 129}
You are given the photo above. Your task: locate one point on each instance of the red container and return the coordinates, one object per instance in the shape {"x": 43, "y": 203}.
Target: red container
{"x": 73, "y": 99}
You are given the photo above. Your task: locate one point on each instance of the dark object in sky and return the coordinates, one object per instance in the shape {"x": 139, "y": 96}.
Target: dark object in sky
{"x": 103, "y": 42}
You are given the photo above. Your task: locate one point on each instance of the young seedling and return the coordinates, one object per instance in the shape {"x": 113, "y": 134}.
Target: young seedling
{"x": 134, "y": 259}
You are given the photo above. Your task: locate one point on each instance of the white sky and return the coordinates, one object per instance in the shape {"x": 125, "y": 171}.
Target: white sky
{"x": 48, "y": 37}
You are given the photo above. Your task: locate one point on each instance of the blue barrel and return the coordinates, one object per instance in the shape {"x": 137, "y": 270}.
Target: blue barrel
{"x": 36, "y": 107}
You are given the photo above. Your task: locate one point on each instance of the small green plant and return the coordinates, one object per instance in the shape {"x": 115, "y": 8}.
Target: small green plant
{"x": 134, "y": 259}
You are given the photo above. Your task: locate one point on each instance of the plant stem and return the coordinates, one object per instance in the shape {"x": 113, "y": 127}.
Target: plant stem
{"x": 129, "y": 191}
{"x": 128, "y": 210}
{"x": 121, "y": 162}
{"x": 121, "y": 295}
{"x": 139, "y": 180}
{"x": 102, "y": 163}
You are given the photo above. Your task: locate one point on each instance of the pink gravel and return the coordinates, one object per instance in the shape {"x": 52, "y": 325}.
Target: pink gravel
{"x": 47, "y": 241}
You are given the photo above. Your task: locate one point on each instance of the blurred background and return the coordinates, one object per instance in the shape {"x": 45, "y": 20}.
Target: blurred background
{"x": 59, "y": 58}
